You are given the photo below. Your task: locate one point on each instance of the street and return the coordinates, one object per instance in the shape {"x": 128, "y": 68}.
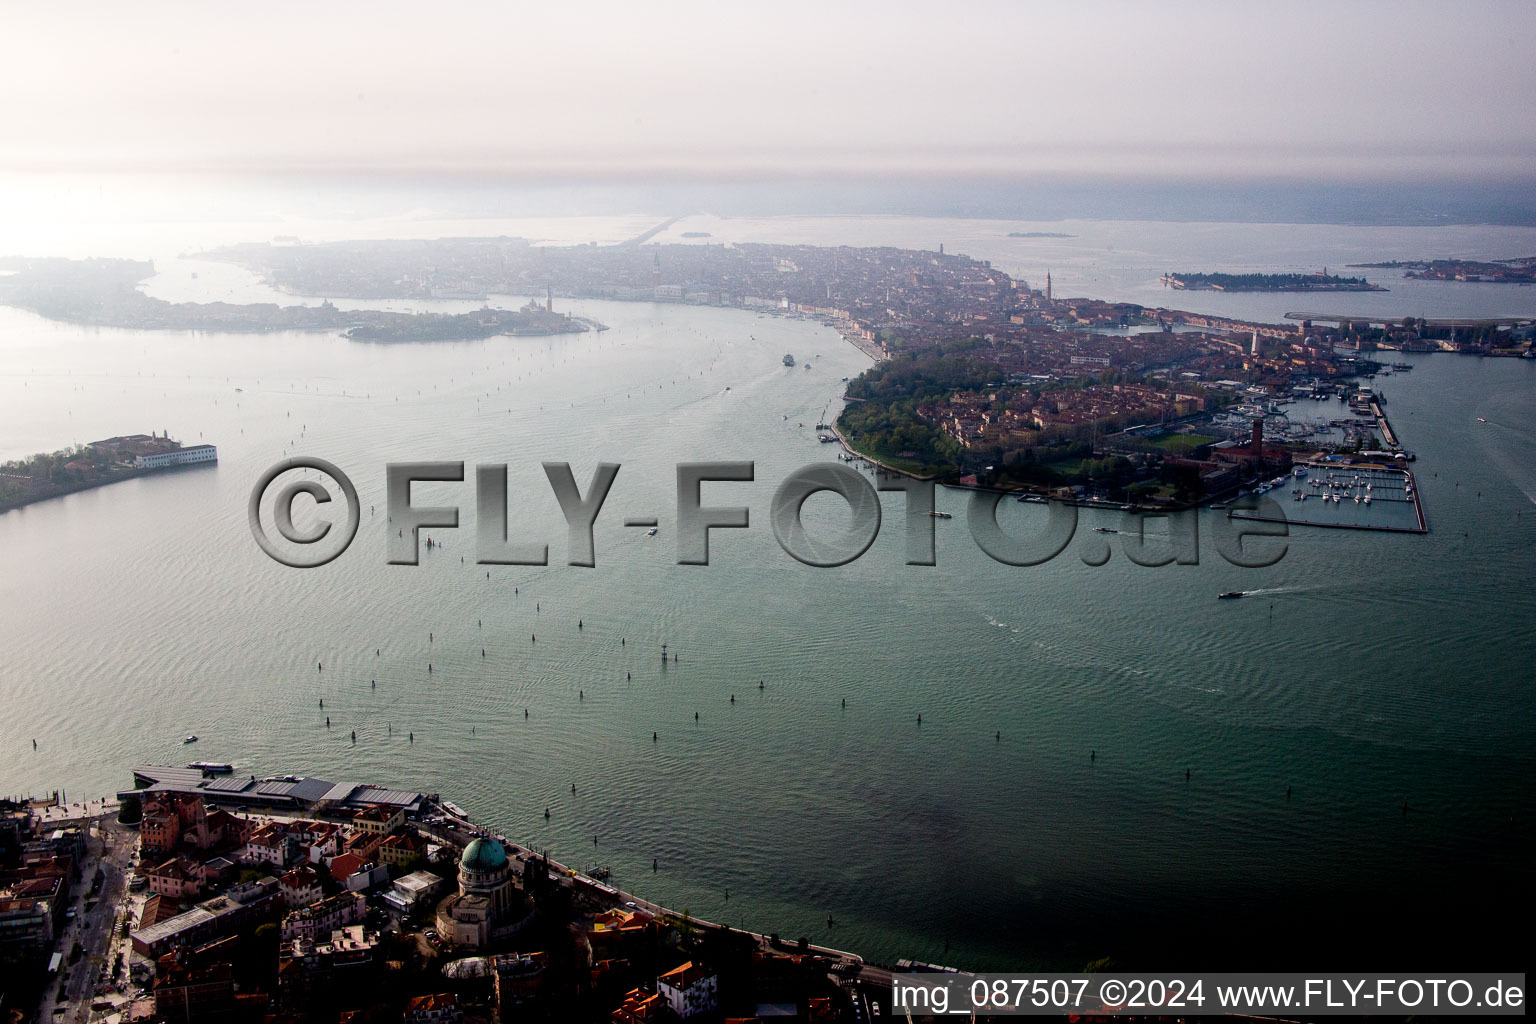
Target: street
{"x": 97, "y": 922}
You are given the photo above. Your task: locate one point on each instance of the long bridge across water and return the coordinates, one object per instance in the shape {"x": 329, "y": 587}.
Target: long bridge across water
{"x": 1429, "y": 321}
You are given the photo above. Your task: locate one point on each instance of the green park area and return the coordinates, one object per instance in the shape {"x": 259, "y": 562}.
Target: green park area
{"x": 1181, "y": 444}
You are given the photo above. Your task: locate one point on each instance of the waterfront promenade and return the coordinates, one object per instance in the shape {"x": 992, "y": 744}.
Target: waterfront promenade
{"x": 464, "y": 830}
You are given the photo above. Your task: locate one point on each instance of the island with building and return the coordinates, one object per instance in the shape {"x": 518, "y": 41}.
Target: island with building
{"x": 1321, "y": 281}
{"x": 210, "y": 894}
{"x": 1518, "y": 270}
{"x": 82, "y": 467}
{"x": 105, "y": 293}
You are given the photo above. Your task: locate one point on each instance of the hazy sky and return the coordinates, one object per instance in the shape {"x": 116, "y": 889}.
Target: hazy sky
{"x": 1307, "y": 90}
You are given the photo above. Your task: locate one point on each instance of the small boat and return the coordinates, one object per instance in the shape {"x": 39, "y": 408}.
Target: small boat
{"x": 651, "y": 532}
{"x": 941, "y": 515}
{"x": 1481, "y": 420}
{"x": 212, "y": 767}
{"x": 1104, "y": 529}
{"x": 190, "y": 739}
{"x": 1229, "y": 595}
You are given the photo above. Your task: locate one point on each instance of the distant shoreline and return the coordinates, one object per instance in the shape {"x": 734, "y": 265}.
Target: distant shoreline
{"x": 1517, "y": 270}
{"x": 104, "y": 293}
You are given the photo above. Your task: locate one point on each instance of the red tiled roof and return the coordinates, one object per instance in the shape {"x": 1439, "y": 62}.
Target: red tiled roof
{"x": 428, "y": 1003}
{"x": 345, "y": 866}
{"x": 685, "y": 976}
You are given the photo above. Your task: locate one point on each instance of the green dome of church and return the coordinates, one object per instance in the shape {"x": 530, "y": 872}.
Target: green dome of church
{"x": 484, "y": 855}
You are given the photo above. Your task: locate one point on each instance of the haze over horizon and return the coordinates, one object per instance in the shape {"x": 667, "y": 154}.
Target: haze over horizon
{"x": 607, "y": 91}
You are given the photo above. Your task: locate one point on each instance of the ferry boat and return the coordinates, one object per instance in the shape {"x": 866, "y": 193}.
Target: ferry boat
{"x": 1229, "y": 595}
{"x": 212, "y": 767}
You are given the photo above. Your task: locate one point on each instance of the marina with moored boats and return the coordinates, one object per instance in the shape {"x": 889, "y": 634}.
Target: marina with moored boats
{"x": 1344, "y": 494}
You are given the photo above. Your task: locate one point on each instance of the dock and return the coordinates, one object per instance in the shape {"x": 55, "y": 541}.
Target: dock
{"x": 1384, "y": 426}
